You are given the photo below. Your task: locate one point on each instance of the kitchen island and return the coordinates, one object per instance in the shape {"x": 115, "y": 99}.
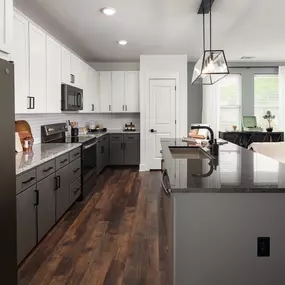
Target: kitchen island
{"x": 224, "y": 215}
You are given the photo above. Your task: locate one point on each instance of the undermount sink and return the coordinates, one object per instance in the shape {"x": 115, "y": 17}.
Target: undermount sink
{"x": 189, "y": 153}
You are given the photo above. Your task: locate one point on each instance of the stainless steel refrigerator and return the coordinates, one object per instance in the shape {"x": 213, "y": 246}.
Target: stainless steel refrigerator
{"x": 8, "y": 244}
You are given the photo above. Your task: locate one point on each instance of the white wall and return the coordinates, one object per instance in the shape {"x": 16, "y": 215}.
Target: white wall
{"x": 159, "y": 66}
{"x": 116, "y": 66}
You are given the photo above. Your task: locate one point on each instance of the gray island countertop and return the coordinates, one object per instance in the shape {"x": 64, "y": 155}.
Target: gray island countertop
{"x": 236, "y": 169}
{"x": 41, "y": 153}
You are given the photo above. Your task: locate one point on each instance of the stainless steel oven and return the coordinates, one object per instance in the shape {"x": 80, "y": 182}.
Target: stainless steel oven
{"x": 71, "y": 98}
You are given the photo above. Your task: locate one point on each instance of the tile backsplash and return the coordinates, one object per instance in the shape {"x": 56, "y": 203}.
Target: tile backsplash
{"x": 111, "y": 121}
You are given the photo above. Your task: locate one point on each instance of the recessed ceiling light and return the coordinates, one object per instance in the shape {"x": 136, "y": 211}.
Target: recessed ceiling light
{"x": 247, "y": 57}
{"x": 122, "y": 42}
{"x": 108, "y": 11}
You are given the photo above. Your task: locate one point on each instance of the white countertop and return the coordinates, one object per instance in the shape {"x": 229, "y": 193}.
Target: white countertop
{"x": 41, "y": 153}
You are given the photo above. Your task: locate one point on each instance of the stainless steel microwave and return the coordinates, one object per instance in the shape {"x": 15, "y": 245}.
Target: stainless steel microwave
{"x": 71, "y": 98}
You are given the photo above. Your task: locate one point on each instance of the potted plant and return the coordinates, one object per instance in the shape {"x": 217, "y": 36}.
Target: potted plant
{"x": 269, "y": 117}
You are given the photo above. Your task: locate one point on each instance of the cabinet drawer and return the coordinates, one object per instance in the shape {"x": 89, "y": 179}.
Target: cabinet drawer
{"x": 116, "y": 137}
{"x": 62, "y": 161}
{"x": 75, "y": 190}
{"x": 131, "y": 137}
{"x": 75, "y": 169}
{"x": 74, "y": 154}
{"x": 45, "y": 170}
{"x": 26, "y": 180}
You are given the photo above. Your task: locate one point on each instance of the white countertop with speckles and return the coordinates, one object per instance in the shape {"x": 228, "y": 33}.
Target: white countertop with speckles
{"x": 41, "y": 153}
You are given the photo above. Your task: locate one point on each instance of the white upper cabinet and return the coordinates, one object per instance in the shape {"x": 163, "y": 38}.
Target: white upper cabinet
{"x": 105, "y": 81}
{"x": 76, "y": 71}
{"x": 132, "y": 91}
{"x": 88, "y": 100}
{"x": 38, "y": 69}
{"x": 118, "y": 91}
{"x": 20, "y": 56}
{"x": 53, "y": 97}
{"x": 65, "y": 66}
{"x": 6, "y": 25}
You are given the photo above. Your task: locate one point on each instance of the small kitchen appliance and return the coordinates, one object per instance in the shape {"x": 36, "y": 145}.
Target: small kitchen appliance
{"x": 71, "y": 98}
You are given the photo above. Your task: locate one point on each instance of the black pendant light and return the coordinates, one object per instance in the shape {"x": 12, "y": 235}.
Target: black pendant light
{"x": 212, "y": 65}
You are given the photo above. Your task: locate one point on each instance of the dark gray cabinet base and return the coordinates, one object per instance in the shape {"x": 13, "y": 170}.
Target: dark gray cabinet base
{"x": 26, "y": 223}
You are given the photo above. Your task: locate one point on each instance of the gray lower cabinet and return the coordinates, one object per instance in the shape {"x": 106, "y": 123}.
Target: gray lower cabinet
{"x": 116, "y": 149}
{"x": 26, "y": 223}
{"x": 106, "y": 144}
{"x": 46, "y": 205}
{"x": 75, "y": 189}
{"x": 62, "y": 191}
{"x": 124, "y": 149}
{"x": 131, "y": 149}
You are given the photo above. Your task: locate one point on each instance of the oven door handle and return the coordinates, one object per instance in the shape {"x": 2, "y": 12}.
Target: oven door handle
{"x": 90, "y": 145}
{"x": 165, "y": 189}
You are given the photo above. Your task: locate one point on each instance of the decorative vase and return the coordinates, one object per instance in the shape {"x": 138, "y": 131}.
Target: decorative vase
{"x": 269, "y": 130}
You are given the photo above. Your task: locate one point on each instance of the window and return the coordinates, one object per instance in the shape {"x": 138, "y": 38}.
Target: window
{"x": 266, "y": 98}
{"x": 230, "y": 102}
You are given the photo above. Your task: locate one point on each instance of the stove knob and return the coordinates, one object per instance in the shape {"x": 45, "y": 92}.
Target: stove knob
{"x": 50, "y": 129}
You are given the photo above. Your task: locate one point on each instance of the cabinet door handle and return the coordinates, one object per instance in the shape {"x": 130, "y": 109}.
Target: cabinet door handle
{"x": 126, "y": 108}
{"x": 48, "y": 169}
{"x": 37, "y": 198}
{"x": 123, "y": 107}
{"x": 72, "y": 78}
{"x": 110, "y": 108}
{"x": 74, "y": 171}
{"x": 34, "y": 102}
{"x": 29, "y": 180}
{"x": 63, "y": 161}
{"x": 93, "y": 108}
{"x": 57, "y": 182}
{"x": 76, "y": 154}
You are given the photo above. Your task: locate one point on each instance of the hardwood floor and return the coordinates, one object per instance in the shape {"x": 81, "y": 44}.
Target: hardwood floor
{"x": 116, "y": 237}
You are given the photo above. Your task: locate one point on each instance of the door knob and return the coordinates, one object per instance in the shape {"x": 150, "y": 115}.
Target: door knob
{"x": 153, "y": 131}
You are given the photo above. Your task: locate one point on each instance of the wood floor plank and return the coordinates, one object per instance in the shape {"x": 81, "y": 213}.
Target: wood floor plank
{"x": 115, "y": 237}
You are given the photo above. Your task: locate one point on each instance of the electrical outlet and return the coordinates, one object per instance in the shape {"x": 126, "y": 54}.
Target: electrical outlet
{"x": 263, "y": 246}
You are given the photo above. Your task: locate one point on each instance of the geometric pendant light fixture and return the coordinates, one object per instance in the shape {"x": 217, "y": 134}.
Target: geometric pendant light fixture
{"x": 212, "y": 65}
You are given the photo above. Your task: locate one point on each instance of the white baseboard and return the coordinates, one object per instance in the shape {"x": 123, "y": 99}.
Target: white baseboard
{"x": 143, "y": 167}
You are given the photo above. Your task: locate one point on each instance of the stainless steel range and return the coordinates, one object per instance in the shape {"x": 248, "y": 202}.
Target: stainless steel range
{"x": 55, "y": 133}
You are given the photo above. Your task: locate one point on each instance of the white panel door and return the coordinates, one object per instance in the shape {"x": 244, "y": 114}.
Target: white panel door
{"x": 132, "y": 92}
{"x": 6, "y": 25}
{"x": 53, "y": 76}
{"x": 65, "y": 66}
{"x": 20, "y": 56}
{"x": 161, "y": 117}
{"x": 105, "y": 82}
{"x": 118, "y": 91}
{"x": 38, "y": 68}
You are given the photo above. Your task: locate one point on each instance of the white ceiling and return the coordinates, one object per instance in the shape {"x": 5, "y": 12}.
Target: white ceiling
{"x": 240, "y": 27}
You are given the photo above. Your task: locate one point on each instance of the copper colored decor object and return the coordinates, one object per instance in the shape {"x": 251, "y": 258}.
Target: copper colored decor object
{"x": 25, "y": 134}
